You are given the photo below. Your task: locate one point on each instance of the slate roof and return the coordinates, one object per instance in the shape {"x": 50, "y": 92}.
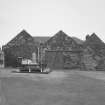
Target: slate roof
{"x": 78, "y": 41}
{"x": 41, "y": 39}
{"x": 20, "y": 39}
{"x": 93, "y": 38}
{"x": 24, "y": 36}
{"x": 95, "y": 43}
{"x": 61, "y": 41}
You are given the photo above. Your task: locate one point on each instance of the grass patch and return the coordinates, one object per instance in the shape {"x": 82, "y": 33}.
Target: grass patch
{"x": 73, "y": 89}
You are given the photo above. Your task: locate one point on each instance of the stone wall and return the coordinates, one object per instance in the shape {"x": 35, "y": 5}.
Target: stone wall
{"x": 63, "y": 59}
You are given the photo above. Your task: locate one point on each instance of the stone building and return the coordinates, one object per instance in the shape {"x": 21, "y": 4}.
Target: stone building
{"x": 59, "y": 51}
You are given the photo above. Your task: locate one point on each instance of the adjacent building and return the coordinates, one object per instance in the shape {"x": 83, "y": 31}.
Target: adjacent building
{"x": 1, "y": 58}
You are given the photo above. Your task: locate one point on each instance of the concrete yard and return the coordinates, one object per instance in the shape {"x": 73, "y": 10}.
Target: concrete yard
{"x": 57, "y": 88}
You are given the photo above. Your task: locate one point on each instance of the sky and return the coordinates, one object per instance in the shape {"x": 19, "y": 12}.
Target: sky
{"x": 46, "y": 17}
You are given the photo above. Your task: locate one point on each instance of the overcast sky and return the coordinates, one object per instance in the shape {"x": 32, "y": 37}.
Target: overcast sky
{"x": 46, "y": 17}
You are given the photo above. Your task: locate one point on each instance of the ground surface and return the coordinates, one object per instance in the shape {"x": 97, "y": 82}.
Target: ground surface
{"x": 56, "y": 88}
